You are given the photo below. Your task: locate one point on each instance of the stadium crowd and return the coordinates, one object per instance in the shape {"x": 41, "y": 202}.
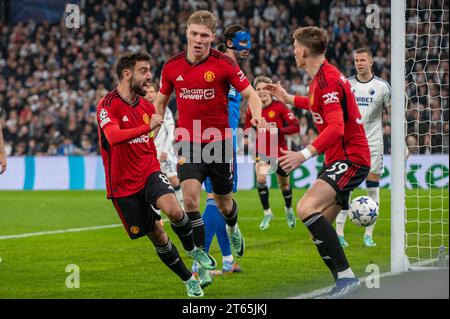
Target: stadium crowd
{"x": 52, "y": 77}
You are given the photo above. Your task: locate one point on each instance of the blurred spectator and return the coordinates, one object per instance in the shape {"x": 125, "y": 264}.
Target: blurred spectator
{"x": 67, "y": 147}
{"x": 413, "y": 146}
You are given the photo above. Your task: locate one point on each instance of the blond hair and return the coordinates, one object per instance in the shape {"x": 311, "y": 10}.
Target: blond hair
{"x": 314, "y": 38}
{"x": 203, "y": 17}
{"x": 363, "y": 50}
{"x": 261, "y": 79}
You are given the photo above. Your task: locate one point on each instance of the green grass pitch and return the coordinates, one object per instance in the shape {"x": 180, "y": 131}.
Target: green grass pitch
{"x": 278, "y": 263}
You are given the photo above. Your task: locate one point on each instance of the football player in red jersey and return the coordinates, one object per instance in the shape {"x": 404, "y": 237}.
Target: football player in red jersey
{"x": 341, "y": 137}
{"x": 134, "y": 181}
{"x": 201, "y": 78}
{"x": 281, "y": 122}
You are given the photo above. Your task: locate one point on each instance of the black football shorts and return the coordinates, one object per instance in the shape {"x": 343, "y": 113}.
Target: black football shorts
{"x": 215, "y": 159}
{"x": 344, "y": 176}
{"x": 139, "y": 211}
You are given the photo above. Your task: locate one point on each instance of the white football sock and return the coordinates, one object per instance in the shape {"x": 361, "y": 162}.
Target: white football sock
{"x": 340, "y": 222}
{"x": 374, "y": 193}
{"x": 227, "y": 258}
{"x": 348, "y": 273}
{"x": 179, "y": 196}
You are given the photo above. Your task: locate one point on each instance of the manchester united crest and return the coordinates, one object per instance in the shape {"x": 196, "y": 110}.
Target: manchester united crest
{"x": 146, "y": 118}
{"x": 181, "y": 160}
{"x": 134, "y": 230}
{"x": 311, "y": 99}
{"x": 271, "y": 114}
{"x": 209, "y": 76}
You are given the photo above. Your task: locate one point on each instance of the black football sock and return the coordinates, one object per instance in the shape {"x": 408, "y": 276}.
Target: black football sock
{"x": 287, "y": 194}
{"x": 326, "y": 259}
{"x": 171, "y": 258}
{"x": 198, "y": 227}
{"x": 231, "y": 219}
{"x": 183, "y": 229}
{"x": 326, "y": 238}
{"x": 263, "y": 192}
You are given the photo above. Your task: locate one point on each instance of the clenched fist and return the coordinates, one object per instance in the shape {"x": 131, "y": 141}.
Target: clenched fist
{"x": 156, "y": 121}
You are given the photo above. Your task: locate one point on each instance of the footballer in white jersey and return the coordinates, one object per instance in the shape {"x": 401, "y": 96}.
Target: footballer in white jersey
{"x": 372, "y": 94}
{"x": 164, "y": 146}
{"x": 372, "y": 97}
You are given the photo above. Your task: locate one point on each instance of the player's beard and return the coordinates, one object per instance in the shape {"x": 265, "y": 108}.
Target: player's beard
{"x": 240, "y": 58}
{"x": 138, "y": 88}
{"x": 242, "y": 62}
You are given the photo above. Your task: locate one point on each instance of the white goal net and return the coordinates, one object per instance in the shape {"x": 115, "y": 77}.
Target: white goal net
{"x": 427, "y": 132}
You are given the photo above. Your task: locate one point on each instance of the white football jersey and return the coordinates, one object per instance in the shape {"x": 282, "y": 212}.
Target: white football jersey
{"x": 371, "y": 97}
{"x": 165, "y": 137}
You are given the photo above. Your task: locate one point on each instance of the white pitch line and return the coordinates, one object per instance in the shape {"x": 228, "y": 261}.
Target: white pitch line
{"x": 60, "y": 231}
{"x": 76, "y": 230}
{"x": 318, "y": 292}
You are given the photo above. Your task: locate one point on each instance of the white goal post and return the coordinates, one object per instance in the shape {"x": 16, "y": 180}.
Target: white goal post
{"x": 398, "y": 257}
{"x": 419, "y": 53}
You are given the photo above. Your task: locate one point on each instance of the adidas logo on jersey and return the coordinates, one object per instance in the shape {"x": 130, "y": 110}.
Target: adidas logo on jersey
{"x": 333, "y": 177}
{"x": 125, "y": 118}
{"x": 179, "y": 78}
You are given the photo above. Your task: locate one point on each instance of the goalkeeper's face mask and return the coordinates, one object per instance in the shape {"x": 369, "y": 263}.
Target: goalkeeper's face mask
{"x": 240, "y": 44}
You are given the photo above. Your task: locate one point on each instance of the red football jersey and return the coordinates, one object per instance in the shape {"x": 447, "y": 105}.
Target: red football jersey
{"x": 278, "y": 116}
{"x": 202, "y": 94}
{"x": 336, "y": 116}
{"x": 128, "y": 152}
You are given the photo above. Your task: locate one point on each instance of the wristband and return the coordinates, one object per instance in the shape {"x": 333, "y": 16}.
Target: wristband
{"x": 306, "y": 153}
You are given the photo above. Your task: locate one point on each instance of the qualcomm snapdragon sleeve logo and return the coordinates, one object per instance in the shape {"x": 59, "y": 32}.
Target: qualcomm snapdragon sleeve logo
{"x": 197, "y": 94}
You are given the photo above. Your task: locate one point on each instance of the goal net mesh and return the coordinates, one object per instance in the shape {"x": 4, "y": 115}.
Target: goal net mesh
{"x": 427, "y": 131}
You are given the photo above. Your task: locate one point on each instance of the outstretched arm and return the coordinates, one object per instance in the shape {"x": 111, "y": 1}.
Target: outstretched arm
{"x": 115, "y": 135}
{"x": 255, "y": 106}
{"x": 281, "y": 94}
{"x": 334, "y": 117}
{"x": 290, "y": 121}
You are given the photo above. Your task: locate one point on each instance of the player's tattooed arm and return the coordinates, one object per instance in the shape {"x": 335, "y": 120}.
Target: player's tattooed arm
{"x": 2, "y": 153}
